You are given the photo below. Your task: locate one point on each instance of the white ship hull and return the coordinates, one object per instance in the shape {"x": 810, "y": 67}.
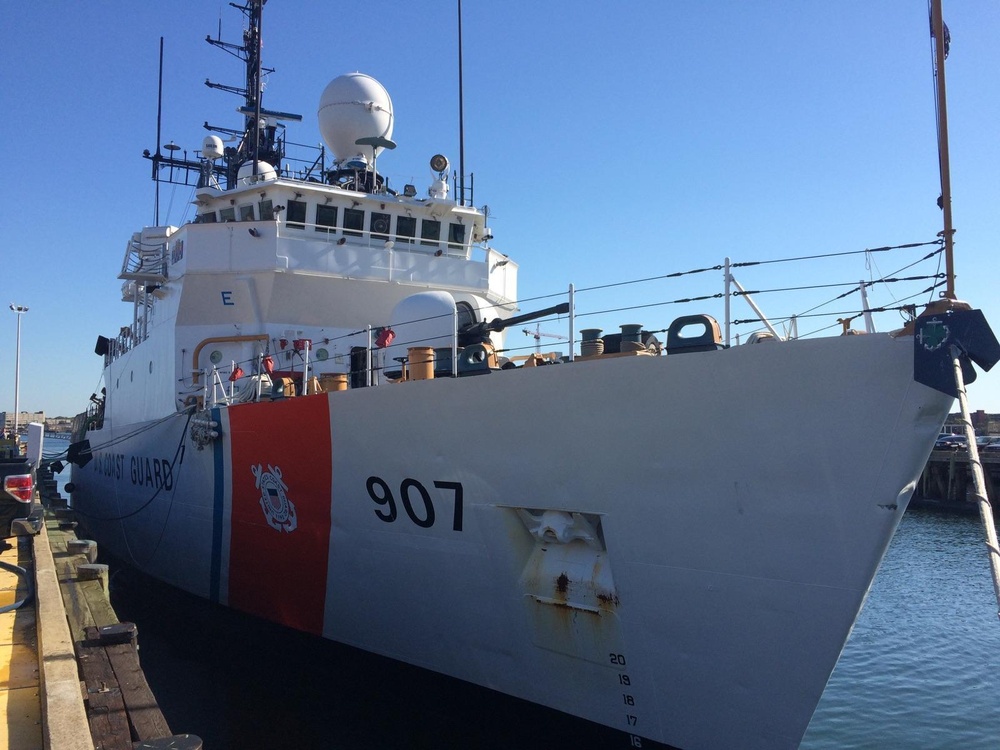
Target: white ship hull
{"x": 674, "y": 546}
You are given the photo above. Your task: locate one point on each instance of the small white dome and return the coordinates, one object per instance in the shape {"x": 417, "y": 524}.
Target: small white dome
{"x": 211, "y": 147}
{"x": 265, "y": 172}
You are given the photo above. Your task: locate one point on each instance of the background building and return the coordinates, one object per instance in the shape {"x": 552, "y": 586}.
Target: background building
{"x": 984, "y": 424}
{"x": 23, "y": 419}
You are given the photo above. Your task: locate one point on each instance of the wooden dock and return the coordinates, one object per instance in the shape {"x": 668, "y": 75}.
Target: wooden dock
{"x": 70, "y": 677}
{"x": 947, "y": 480}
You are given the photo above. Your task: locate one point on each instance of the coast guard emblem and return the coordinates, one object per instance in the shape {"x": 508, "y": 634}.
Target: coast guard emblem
{"x": 934, "y": 334}
{"x": 278, "y": 509}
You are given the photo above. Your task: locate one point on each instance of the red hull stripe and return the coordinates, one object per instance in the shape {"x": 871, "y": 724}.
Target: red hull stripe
{"x": 280, "y": 524}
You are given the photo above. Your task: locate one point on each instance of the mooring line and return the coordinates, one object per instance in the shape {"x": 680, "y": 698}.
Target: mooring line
{"x": 978, "y": 480}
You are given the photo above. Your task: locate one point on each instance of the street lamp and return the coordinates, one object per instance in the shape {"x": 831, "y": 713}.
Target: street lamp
{"x": 18, "y": 310}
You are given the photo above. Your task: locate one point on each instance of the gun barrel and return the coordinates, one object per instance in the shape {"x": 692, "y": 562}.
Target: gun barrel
{"x": 498, "y": 324}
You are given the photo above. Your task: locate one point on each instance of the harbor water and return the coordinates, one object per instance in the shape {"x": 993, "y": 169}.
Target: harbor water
{"x": 922, "y": 666}
{"x": 921, "y": 670}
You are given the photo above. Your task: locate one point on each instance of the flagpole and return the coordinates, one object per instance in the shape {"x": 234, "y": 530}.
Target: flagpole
{"x": 940, "y": 34}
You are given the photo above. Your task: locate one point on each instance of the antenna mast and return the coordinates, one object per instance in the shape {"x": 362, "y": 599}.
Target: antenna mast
{"x": 260, "y": 139}
{"x": 461, "y": 116}
{"x": 254, "y": 92}
{"x": 159, "y": 120}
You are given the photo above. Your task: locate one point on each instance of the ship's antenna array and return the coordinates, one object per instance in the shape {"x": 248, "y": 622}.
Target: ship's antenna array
{"x": 259, "y": 141}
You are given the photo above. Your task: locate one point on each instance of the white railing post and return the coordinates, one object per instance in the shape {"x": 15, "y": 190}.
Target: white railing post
{"x": 726, "y": 291}
{"x": 869, "y": 322}
{"x": 572, "y": 322}
{"x": 260, "y": 373}
{"x": 215, "y": 380}
{"x": 368, "y": 358}
{"x": 306, "y": 345}
{"x": 454, "y": 343}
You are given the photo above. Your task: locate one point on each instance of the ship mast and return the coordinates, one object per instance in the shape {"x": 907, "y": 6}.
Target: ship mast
{"x": 254, "y": 93}
{"x": 939, "y": 33}
{"x": 259, "y": 140}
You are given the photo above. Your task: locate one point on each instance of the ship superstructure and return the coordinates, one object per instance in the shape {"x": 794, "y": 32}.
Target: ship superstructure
{"x": 295, "y": 264}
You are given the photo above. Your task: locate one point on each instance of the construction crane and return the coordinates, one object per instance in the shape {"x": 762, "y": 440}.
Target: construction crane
{"x": 537, "y": 333}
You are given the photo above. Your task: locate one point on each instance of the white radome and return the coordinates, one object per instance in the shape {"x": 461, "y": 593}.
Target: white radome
{"x": 354, "y": 106}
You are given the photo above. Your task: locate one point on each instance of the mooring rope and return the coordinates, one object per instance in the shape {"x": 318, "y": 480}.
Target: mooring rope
{"x": 978, "y": 480}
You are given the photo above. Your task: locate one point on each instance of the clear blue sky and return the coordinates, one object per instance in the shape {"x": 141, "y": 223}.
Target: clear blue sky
{"x": 611, "y": 141}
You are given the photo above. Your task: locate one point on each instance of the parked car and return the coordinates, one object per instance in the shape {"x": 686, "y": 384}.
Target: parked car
{"x": 950, "y": 442}
{"x": 988, "y": 442}
{"x": 17, "y": 484}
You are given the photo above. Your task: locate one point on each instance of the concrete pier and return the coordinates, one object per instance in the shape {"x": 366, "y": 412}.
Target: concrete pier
{"x": 20, "y": 686}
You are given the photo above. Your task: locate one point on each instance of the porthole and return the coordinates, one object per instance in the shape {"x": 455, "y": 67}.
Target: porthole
{"x": 216, "y": 357}
{"x": 322, "y": 355}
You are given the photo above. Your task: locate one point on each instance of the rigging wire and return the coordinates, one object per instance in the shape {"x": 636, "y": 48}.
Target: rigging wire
{"x": 851, "y": 313}
{"x": 145, "y": 428}
{"x": 179, "y": 451}
{"x": 883, "y": 249}
{"x": 188, "y": 380}
{"x": 854, "y": 288}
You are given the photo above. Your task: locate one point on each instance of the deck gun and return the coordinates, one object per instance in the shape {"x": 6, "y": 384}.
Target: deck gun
{"x": 479, "y": 333}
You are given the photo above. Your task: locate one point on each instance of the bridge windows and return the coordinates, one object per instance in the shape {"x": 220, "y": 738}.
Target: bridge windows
{"x": 456, "y": 235}
{"x": 326, "y": 217}
{"x": 354, "y": 222}
{"x": 406, "y": 229}
{"x": 296, "y": 216}
{"x": 430, "y": 232}
{"x": 379, "y": 225}
{"x": 405, "y": 224}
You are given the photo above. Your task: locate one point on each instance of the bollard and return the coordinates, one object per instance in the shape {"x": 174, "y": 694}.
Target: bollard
{"x": 86, "y": 547}
{"x": 92, "y": 572}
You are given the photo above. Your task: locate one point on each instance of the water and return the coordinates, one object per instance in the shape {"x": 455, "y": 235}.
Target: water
{"x": 920, "y": 670}
{"x": 54, "y": 445}
{"x": 921, "y": 667}
{"x": 240, "y": 682}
